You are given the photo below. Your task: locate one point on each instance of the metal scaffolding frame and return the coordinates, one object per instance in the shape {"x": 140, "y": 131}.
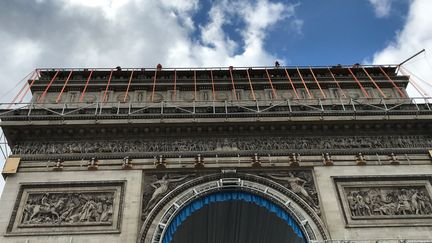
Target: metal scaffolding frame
{"x": 4, "y": 147}
{"x": 210, "y": 109}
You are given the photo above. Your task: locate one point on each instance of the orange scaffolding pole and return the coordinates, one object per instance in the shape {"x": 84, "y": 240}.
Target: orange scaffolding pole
{"x": 108, "y": 84}
{"x": 358, "y": 82}
{"x": 316, "y": 81}
{"x": 64, "y": 86}
{"x": 195, "y": 86}
{"x": 41, "y": 98}
{"x": 304, "y": 84}
{"x": 19, "y": 93}
{"x": 416, "y": 86}
{"x": 337, "y": 83}
{"x": 373, "y": 81}
{"x": 25, "y": 79}
{"x": 128, "y": 86}
{"x": 35, "y": 76}
{"x": 292, "y": 84}
{"x": 250, "y": 84}
{"x": 85, "y": 86}
{"x": 271, "y": 84}
{"x": 392, "y": 82}
{"x": 175, "y": 84}
{"x": 154, "y": 85}
{"x": 233, "y": 85}
{"x": 213, "y": 86}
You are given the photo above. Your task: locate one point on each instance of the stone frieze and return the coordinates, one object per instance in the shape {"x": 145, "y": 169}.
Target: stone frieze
{"x": 392, "y": 201}
{"x": 65, "y": 208}
{"x": 57, "y": 208}
{"x": 230, "y": 144}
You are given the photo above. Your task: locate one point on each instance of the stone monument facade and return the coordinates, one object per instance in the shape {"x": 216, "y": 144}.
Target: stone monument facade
{"x": 118, "y": 155}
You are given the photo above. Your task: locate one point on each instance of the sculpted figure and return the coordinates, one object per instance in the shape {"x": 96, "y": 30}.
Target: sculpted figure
{"x": 404, "y": 206}
{"x": 45, "y": 208}
{"x": 161, "y": 187}
{"x": 415, "y": 201}
{"x": 297, "y": 186}
{"x": 362, "y": 208}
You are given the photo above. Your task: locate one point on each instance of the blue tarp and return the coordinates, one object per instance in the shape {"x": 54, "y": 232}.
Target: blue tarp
{"x": 228, "y": 196}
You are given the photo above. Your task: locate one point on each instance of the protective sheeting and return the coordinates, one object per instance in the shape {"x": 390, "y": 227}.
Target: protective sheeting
{"x": 233, "y": 217}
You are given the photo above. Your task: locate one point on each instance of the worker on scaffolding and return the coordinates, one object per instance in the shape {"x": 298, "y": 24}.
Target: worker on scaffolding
{"x": 277, "y": 65}
{"x": 159, "y": 67}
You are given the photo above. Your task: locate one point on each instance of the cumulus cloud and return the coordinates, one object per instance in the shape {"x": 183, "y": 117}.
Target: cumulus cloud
{"x": 382, "y": 7}
{"x": 132, "y": 33}
{"x": 414, "y": 36}
{"x": 81, "y": 33}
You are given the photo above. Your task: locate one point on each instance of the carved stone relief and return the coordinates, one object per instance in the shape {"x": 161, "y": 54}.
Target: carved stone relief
{"x": 157, "y": 185}
{"x": 67, "y": 208}
{"x": 388, "y": 201}
{"x": 223, "y": 144}
{"x": 299, "y": 182}
{"x": 392, "y": 201}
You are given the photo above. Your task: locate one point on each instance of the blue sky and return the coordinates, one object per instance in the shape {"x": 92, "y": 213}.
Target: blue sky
{"x": 193, "y": 33}
{"x": 335, "y": 31}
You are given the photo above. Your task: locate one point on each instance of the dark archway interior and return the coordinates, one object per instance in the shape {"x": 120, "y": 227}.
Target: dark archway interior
{"x": 234, "y": 222}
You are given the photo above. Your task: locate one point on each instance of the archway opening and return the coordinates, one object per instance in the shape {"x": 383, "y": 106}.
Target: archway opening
{"x": 233, "y": 217}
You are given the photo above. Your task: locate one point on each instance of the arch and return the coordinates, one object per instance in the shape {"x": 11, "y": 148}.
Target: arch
{"x": 164, "y": 212}
{"x": 226, "y": 196}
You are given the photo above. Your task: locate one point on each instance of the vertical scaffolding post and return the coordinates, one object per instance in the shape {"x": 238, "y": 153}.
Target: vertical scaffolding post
{"x": 85, "y": 86}
{"x": 195, "y": 86}
{"x": 108, "y": 84}
{"x": 154, "y": 85}
{"x": 316, "y": 81}
{"x": 232, "y": 81}
{"x": 392, "y": 82}
{"x": 292, "y": 84}
{"x": 375, "y": 84}
{"x": 304, "y": 84}
{"x": 34, "y": 77}
{"x": 175, "y": 85}
{"x": 271, "y": 84}
{"x": 42, "y": 97}
{"x": 337, "y": 83}
{"x": 250, "y": 85}
{"x": 128, "y": 86}
{"x": 213, "y": 85}
{"x": 64, "y": 86}
{"x": 358, "y": 82}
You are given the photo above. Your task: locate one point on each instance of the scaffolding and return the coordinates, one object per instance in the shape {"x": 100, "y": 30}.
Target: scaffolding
{"x": 213, "y": 109}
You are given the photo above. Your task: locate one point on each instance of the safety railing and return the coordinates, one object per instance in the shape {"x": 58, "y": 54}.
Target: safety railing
{"x": 242, "y": 108}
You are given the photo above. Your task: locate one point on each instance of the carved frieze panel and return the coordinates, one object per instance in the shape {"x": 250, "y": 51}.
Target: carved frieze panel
{"x": 72, "y": 208}
{"x": 225, "y": 144}
{"x": 392, "y": 201}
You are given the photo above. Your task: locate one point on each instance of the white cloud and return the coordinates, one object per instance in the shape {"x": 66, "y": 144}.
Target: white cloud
{"x": 77, "y": 33}
{"x": 415, "y": 35}
{"x": 131, "y": 33}
{"x": 382, "y": 7}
